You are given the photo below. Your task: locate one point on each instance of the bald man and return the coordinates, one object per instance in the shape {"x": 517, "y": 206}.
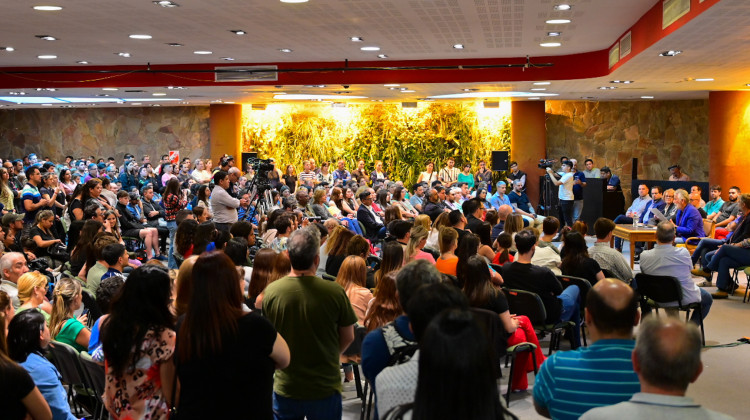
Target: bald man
{"x": 570, "y": 383}
{"x": 698, "y": 203}
{"x": 667, "y": 358}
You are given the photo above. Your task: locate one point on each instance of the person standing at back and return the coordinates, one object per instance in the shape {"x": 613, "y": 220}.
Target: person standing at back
{"x": 317, "y": 320}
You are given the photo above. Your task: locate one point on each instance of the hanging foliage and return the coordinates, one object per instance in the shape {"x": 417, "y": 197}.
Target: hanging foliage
{"x": 404, "y": 139}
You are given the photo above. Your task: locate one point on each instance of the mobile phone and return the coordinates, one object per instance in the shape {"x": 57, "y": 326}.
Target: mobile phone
{"x": 85, "y": 311}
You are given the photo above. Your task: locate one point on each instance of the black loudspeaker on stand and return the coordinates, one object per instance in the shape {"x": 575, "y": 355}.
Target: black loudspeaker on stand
{"x": 500, "y": 161}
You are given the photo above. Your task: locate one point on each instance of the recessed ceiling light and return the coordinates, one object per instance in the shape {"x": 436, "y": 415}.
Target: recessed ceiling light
{"x": 647, "y": 97}
{"x": 176, "y": 87}
{"x": 17, "y": 93}
{"x": 82, "y": 62}
{"x": 166, "y": 3}
{"x": 110, "y": 89}
{"x": 625, "y": 82}
{"x": 158, "y": 94}
{"x": 550, "y": 44}
{"x": 229, "y": 102}
{"x": 607, "y": 87}
{"x": 458, "y": 46}
{"x": 46, "y": 57}
{"x": 408, "y": 91}
{"x": 294, "y": 1}
{"x": 104, "y": 95}
{"x": 47, "y": 8}
{"x": 382, "y": 56}
{"x": 140, "y": 36}
{"x": 538, "y": 89}
{"x": 670, "y": 53}
{"x": 46, "y": 89}
{"x": 705, "y": 79}
{"x": 356, "y": 39}
{"x": 174, "y": 44}
{"x": 557, "y": 21}
{"x": 392, "y": 85}
{"x": 46, "y": 37}
{"x": 371, "y": 48}
{"x": 9, "y": 49}
{"x": 541, "y": 83}
{"x": 554, "y": 33}
{"x": 123, "y": 54}
{"x": 285, "y": 50}
{"x": 237, "y": 31}
{"x": 202, "y": 52}
{"x": 46, "y": 104}
{"x": 534, "y": 98}
{"x": 469, "y": 90}
{"x": 227, "y": 58}
{"x": 562, "y": 7}
{"x": 748, "y": 84}
{"x": 135, "y": 103}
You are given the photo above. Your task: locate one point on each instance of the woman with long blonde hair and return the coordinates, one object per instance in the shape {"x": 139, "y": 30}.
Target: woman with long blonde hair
{"x": 432, "y": 238}
{"x": 417, "y": 240}
{"x": 67, "y": 298}
{"x": 32, "y": 287}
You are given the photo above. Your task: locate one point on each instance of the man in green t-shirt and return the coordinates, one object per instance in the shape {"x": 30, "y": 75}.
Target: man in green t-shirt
{"x": 317, "y": 321}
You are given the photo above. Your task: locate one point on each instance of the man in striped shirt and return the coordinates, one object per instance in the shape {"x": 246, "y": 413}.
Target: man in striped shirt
{"x": 570, "y": 383}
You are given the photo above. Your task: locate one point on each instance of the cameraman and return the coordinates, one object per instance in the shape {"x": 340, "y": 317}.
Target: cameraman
{"x": 565, "y": 191}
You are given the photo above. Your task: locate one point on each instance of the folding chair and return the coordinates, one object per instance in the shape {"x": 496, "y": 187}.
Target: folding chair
{"x": 65, "y": 359}
{"x": 583, "y": 286}
{"x": 327, "y": 276}
{"x": 93, "y": 375}
{"x": 522, "y": 302}
{"x": 493, "y": 328}
{"x": 661, "y": 291}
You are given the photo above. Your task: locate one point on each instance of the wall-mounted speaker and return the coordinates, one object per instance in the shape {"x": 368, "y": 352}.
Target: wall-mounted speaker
{"x": 499, "y": 160}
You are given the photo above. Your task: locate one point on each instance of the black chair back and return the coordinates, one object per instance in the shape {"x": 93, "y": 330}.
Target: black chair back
{"x": 89, "y": 302}
{"x": 327, "y": 276}
{"x": 497, "y": 267}
{"x": 583, "y": 286}
{"x": 435, "y": 254}
{"x": 65, "y": 359}
{"x": 660, "y": 289}
{"x": 521, "y": 302}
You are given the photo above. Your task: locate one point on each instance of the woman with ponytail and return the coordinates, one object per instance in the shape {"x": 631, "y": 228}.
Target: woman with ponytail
{"x": 63, "y": 327}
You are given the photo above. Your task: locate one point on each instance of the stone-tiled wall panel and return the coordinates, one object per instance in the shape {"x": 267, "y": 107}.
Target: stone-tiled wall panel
{"x": 105, "y": 132}
{"x": 658, "y": 133}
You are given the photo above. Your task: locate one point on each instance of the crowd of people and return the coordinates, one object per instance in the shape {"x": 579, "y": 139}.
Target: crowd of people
{"x": 188, "y": 268}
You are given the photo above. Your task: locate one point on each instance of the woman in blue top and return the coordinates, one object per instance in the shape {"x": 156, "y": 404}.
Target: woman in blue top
{"x": 28, "y": 335}
{"x": 466, "y": 176}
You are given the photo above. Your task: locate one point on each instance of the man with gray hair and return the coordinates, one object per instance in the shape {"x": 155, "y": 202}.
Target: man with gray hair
{"x": 666, "y": 358}
{"x": 12, "y": 266}
{"x": 317, "y": 321}
{"x": 667, "y": 260}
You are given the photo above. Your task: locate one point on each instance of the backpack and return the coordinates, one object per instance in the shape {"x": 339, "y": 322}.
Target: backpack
{"x": 400, "y": 349}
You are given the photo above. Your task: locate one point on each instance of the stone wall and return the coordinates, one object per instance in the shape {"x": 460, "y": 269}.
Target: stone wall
{"x": 104, "y": 132}
{"x": 658, "y": 133}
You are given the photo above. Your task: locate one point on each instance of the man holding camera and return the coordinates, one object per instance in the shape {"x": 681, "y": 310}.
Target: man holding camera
{"x": 565, "y": 191}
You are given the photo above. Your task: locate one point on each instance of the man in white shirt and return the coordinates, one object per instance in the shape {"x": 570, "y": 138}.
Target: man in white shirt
{"x": 223, "y": 205}
{"x": 12, "y": 266}
{"x": 565, "y": 191}
{"x": 449, "y": 174}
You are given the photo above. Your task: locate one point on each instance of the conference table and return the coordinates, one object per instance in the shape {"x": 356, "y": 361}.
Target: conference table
{"x": 632, "y": 234}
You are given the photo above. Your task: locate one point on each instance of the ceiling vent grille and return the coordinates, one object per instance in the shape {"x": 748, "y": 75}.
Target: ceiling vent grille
{"x": 625, "y": 45}
{"x": 673, "y": 10}
{"x": 246, "y": 74}
{"x": 408, "y": 104}
{"x": 614, "y": 55}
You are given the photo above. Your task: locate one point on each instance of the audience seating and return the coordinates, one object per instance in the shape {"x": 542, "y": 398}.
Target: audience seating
{"x": 522, "y": 302}
{"x": 93, "y": 375}
{"x": 493, "y": 327}
{"x": 656, "y": 291}
{"x": 327, "y": 276}
{"x": 65, "y": 359}
{"x": 583, "y": 286}
{"x": 709, "y": 227}
{"x": 89, "y": 302}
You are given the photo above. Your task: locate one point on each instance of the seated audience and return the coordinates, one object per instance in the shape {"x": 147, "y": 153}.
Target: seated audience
{"x": 352, "y": 277}
{"x": 448, "y": 241}
{"x": 184, "y": 239}
{"x": 607, "y": 257}
{"x": 63, "y": 327}
{"x": 572, "y": 382}
{"x": 384, "y": 307}
{"x": 576, "y": 261}
{"x": 107, "y": 290}
{"x": 32, "y": 289}
{"x": 689, "y": 221}
{"x": 417, "y": 241}
{"x": 667, "y": 359}
{"x": 635, "y": 211}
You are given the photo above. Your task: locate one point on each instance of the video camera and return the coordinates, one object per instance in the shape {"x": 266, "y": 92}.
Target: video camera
{"x": 545, "y": 163}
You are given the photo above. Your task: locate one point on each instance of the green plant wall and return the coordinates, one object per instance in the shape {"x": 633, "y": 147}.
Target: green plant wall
{"x": 404, "y": 139}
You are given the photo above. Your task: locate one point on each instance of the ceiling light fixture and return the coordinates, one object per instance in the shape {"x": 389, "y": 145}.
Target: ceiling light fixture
{"x": 110, "y": 89}
{"x": 285, "y": 50}
{"x": 534, "y": 98}
{"x": 554, "y": 33}
{"x": 176, "y": 87}
{"x": 294, "y": 1}
{"x": 625, "y": 82}
{"x": 647, "y": 97}
{"x": 158, "y": 94}
{"x": 140, "y": 36}
{"x": 408, "y": 91}
{"x": 123, "y": 54}
{"x": 356, "y": 39}
{"x": 237, "y": 31}
{"x": 227, "y": 58}
{"x": 392, "y": 85}
{"x": 557, "y": 21}
{"x": 9, "y": 49}
{"x": 498, "y": 94}
{"x": 46, "y": 37}
{"x": 458, "y": 46}
{"x": 202, "y": 52}
{"x": 705, "y": 79}
{"x": 550, "y": 44}
{"x": 542, "y": 83}
{"x": 47, "y": 8}
{"x": 670, "y": 53}
{"x": 607, "y": 87}
{"x": 371, "y": 48}
{"x": 46, "y": 89}
{"x": 166, "y": 3}
{"x": 46, "y": 57}
{"x": 174, "y": 44}
{"x": 82, "y": 62}
{"x": 382, "y": 56}
{"x": 538, "y": 89}
{"x": 562, "y": 7}
{"x": 469, "y": 90}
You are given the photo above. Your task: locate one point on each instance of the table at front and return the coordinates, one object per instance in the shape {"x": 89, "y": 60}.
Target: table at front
{"x": 633, "y": 235}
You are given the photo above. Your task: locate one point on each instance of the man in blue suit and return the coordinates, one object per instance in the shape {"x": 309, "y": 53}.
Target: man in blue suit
{"x": 689, "y": 222}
